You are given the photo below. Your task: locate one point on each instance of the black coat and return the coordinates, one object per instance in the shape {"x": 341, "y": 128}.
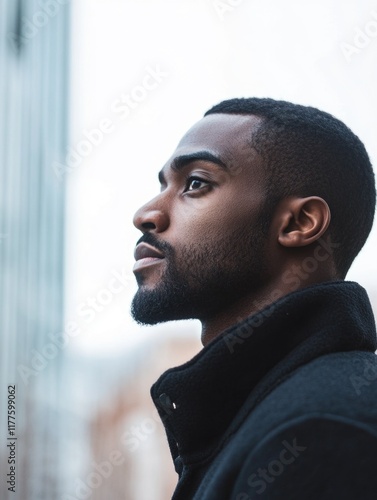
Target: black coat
{"x": 280, "y": 406}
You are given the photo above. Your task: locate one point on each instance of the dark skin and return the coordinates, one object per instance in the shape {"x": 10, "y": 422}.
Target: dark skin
{"x": 204, "y": 197}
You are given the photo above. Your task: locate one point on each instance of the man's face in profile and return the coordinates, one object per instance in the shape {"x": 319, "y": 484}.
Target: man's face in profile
{"x": 204, "y": 235}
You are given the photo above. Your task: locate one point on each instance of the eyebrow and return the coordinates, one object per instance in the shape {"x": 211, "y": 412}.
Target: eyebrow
{"x": 181, "y": 161}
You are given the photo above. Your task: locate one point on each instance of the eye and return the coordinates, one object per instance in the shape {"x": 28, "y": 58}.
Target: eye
{"x": 195, "y": 183}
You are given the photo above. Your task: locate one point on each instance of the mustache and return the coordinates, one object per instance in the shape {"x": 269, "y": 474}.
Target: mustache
{"x": 151, "y": 239}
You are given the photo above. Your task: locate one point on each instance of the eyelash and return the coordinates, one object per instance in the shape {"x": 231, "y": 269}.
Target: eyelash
{"x": 191, "y": 178}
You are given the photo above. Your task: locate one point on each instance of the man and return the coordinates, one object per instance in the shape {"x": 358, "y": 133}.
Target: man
{"x": 263, "y": 207}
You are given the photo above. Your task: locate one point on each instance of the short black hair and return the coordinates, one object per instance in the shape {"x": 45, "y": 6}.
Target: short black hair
{"x": 307, "y": 152}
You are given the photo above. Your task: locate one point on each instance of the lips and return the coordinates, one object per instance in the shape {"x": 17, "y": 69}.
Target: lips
{"x": 146, "y": 255}
{"x": 143, "y": 251}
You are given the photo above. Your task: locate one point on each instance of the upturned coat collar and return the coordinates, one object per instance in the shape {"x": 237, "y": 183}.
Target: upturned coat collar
{"x": 198, "y": 400}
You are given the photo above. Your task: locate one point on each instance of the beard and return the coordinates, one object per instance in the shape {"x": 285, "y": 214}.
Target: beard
{"x": 201, "y": 280}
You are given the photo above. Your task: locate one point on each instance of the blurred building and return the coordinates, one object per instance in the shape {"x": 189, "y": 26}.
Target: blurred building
{"x": 33, "y": 128}
{"x": 118, "y": 442}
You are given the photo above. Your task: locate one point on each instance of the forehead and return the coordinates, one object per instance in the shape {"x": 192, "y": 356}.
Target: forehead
{"x": 219, "y": 129}
{"x": 221, "y": 133}
{"x": 226, "y": 137}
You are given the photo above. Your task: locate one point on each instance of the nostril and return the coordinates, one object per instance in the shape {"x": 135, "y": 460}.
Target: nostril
{"x": 148, "y": 225}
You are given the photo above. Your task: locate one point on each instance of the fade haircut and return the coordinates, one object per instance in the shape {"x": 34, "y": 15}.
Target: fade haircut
{"x": 307, "y": 152}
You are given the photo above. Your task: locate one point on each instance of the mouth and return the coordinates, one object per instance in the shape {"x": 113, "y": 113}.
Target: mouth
{"x": 146, "y": 255}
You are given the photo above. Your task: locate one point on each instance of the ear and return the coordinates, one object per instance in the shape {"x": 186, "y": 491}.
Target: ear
{"x": 302, "y": 221}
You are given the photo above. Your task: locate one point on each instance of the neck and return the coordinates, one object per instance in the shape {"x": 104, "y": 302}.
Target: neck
{"x": 247, "y": 306}
{"x": 252, "y": 303}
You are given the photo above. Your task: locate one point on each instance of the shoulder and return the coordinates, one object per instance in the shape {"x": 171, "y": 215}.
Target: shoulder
{"x": 302, "y": 435}
{"x": 313, "y": 456}
{"x": 342, "y": 384}
{"x": 347, "y": 366}
{"x": 314, "y": 435}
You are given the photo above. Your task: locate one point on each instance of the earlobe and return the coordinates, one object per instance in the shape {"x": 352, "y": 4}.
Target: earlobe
{"x": 303, "y": 221}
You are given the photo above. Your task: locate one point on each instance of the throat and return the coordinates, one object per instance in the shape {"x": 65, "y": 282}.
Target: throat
{"x": 235, "y": 313}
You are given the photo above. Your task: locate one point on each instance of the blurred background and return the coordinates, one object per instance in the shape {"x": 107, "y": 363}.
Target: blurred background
{"x": 94, "y": 97}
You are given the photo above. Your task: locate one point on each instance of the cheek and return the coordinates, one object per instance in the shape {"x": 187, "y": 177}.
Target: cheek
{"x": 206, "y": 220}
{"x": 234, "y": 212}
{"x": 229, "y": 209}
{"x": 191, "y": 222}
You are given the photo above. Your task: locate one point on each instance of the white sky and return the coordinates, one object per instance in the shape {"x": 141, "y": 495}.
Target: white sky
{"x": 287, "y": 50}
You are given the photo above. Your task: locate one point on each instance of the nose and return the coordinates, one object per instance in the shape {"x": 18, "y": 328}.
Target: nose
{"x": 151, "y": 217}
